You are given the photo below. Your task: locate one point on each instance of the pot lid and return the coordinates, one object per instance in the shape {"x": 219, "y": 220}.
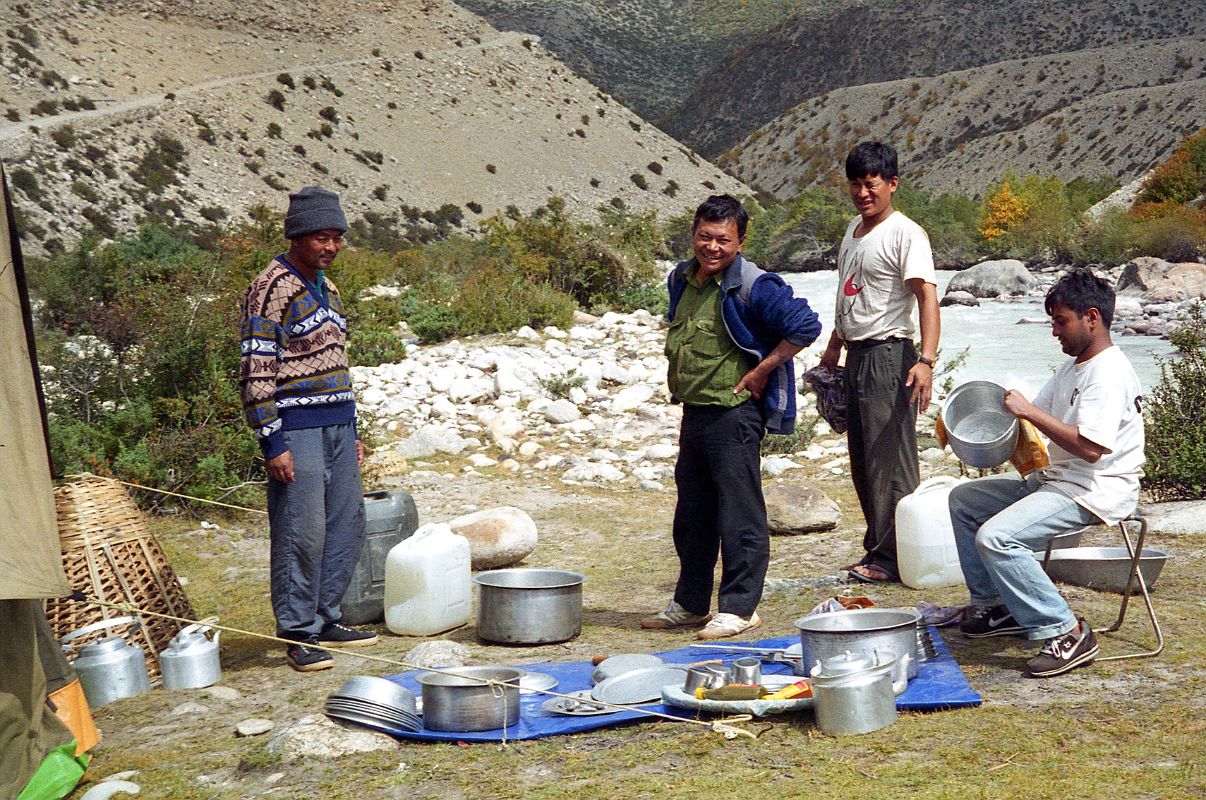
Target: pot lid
{"x": 846, "y": 663}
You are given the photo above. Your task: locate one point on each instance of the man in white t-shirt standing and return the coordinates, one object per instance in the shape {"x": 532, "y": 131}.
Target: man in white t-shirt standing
{"x": 1090, "y": 411}
{"x": 885, "y": 268}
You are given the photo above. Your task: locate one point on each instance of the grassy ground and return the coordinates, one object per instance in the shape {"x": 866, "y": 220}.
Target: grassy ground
{"x": 1138, "y": 725}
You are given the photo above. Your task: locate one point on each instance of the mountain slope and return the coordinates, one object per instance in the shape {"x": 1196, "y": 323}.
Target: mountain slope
{"x": 214, "y": 107}
{"x": 649, "y": 53}
{"x": 1103, "y": 112}
{"x": 815, "y": 53}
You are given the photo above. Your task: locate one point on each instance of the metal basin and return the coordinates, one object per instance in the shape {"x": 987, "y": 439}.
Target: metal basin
{"x": 862, "y": 630}
{"x": 377, "y": 690}
{"x": 462, "y": 702}
{"x": 529, "y": 606}
{"x": 1103, "y": 568}
{"x": 978, "y": 428}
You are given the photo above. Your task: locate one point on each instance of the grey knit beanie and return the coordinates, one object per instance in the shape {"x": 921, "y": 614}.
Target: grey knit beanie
{"x": 313, "y": 209}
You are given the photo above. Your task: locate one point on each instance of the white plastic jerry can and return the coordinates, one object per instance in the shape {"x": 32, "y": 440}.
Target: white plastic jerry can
{"x": 427, "y": 582}
{"x": 925, "y": 541}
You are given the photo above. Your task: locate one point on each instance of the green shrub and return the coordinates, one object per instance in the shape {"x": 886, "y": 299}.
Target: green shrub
{"x": 1170, "y": 231}
{"x": 65, "y": 137}
{"x": 559, "y": 384}
{"x": 285, "y": 79}
{"x": 785, "y": 444}
{"x": 26, "y": 181}
{"x": 276, "y": 99}
{"x": 157, "y": 168}
{"x": 650, "y": 296}
{"x": 1176, "y": 417}
{"x": 434, "y": 323}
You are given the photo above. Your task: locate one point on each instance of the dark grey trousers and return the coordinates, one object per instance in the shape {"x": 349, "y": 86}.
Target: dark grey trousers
{"x": 720, "y": 509}
{"x": 882, "y": 438}
{"x": 317, "y": 525}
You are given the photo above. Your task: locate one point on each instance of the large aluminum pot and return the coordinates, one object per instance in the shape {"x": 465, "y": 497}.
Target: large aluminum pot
{"x": 863, "y": 630}
{"x": 978, "y": 428}
{"x": 463, "y": 702}
{"x": 529, "y": 606}
{"x": 854, "y": 693}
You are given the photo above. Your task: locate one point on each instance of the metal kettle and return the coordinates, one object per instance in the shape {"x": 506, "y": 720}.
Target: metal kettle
{"x": 110, "y": 668}
{"x": 190, "y": 661}
{"x": 853, "y": 693}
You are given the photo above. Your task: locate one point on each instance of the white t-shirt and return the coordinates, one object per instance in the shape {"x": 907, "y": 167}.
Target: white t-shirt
{"x": 1101, "y": 397}
{"x": 872, "y": 299}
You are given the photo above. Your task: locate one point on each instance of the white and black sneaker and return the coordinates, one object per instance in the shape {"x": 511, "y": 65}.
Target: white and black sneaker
{"x": 1060, "y": 654}
{"x": 983, "y": 621}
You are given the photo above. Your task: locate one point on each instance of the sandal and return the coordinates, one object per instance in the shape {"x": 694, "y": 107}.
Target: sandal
{"x": 871, "y": 573}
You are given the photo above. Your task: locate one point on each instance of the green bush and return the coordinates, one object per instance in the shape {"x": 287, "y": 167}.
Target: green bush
{"x": 1176, "y": 417}
{"x": 434, "y": 323}
{"x": 650, "y": 296}
{"x": 559, "y": 384}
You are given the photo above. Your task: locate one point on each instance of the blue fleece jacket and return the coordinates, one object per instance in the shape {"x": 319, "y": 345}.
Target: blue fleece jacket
{"x": 759, "y": 311}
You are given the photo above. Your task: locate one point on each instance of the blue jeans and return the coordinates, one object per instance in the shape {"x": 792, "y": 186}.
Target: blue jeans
{"x": 317, "y": 530}
{"x": 999, "y": 523}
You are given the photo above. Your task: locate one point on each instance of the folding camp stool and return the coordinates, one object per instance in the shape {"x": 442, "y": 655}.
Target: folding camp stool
{"x": 1135, "y": 577}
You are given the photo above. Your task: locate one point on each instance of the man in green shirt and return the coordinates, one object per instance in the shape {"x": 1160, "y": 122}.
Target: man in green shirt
{"x": 734, "y": 330}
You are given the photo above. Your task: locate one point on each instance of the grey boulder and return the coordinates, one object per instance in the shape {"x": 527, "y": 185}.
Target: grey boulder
{"x": 1003, "y": 278}
{"x": 793, "y": 509}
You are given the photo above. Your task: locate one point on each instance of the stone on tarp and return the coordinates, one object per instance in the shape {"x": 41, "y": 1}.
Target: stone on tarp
{"x": 497, "y": 536}
{"x": 793, "y": 508}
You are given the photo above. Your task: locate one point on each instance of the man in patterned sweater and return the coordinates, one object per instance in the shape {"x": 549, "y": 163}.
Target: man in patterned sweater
{"x": 297, "y": 396}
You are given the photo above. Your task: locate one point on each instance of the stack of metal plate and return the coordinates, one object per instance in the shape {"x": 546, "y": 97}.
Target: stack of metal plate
{"x": 374, "y": 703}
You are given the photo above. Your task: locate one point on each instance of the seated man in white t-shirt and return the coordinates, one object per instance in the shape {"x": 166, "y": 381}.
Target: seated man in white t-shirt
{"x": 1090, "y": 411}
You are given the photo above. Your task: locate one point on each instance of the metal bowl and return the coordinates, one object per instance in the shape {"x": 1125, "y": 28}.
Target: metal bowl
{"x": 1103, "y": 568}
{"x": 978, "y": 428}
{"x": 377, "y": 690}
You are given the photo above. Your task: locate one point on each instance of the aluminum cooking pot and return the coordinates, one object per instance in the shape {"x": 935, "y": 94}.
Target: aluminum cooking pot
{"x": 978, "y": 428}
{"x": 854, "y": 693}
{"x": 864, "y": 630}
{"x": 529, "y": 606}
{"x": 464, "y": 702}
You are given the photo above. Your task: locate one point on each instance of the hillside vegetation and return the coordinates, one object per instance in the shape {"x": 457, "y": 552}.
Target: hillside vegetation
{"x": 1109, "y": 112}
{"x": 814, "y": 53}
{"x": 648, "y": 53}
{"x": 131, "y": 111}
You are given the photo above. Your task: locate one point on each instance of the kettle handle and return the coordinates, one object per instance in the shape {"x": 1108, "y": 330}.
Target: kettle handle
{"x": 201, "y": 626}
{"x": 99, "y": 626}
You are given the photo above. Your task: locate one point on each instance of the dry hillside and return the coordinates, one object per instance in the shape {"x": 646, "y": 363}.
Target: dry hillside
{"x": 119, "y": 109}
{"x": 818, "y": 52}
{"x": 1103, "y": 112}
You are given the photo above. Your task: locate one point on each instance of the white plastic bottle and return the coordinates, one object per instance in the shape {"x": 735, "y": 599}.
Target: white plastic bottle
{"x": 427, "y": 586}
{"x": 925, "y": 541}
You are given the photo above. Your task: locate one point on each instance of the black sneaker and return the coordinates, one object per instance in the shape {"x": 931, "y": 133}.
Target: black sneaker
{"x": 303, "y": 657}
{"x": 336, "y": 634}
{"x": 1062, "y": 653}
{"x": 982, "y": 621}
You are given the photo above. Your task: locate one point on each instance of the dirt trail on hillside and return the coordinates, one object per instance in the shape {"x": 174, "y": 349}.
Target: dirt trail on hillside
{"x": 14, "y": 131}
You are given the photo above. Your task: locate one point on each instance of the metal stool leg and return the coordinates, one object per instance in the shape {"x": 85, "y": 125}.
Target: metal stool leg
{"x": 1135, "y": 551}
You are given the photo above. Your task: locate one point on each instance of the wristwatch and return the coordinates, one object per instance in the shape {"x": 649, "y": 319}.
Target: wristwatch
{"x": 929, "y": 362}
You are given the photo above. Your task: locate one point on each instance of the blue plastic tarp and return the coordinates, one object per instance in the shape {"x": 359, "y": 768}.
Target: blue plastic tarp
{"x": 939, "y": 684}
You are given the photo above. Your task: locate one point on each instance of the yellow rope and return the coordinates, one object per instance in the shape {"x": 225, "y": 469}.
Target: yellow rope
{"x": 165, "y": 491}
{"x": 724, "y": 727}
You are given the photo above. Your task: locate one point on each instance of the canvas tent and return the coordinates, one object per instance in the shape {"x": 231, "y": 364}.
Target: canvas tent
{"x": 30, "y": 562}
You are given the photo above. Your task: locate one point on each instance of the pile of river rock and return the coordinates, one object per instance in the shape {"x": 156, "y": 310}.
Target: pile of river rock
{"x": 590, "y": 404}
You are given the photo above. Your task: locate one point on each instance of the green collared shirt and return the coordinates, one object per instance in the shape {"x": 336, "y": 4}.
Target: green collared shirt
{"x": 705, "y": 365}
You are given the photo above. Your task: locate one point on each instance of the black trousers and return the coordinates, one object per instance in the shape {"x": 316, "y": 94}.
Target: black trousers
{"x": 720, "y": 509}
{"x": 882, "y": 438}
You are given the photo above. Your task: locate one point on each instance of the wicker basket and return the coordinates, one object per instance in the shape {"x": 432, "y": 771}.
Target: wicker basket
{"x": 109, "y": 553}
